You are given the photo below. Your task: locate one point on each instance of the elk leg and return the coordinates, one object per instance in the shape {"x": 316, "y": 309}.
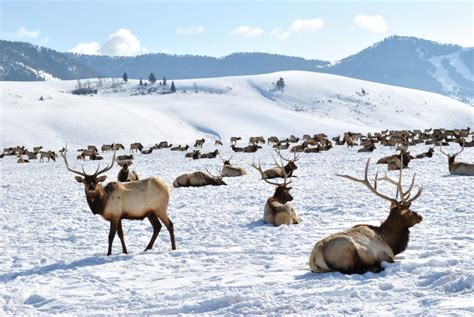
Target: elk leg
{"x": 113, "y": 230}
{"x": 156, "y": 230}
{"x": 170, "y": 227}
{"x": 122, "y": 239}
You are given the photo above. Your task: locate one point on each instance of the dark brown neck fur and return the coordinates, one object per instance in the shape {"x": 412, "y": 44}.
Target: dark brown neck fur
{"x": 98, "y": 202}
{"x": 395, "y": 233}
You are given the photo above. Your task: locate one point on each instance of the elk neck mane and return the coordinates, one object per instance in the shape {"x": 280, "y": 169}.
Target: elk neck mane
{"x": 98, "y": 202}
{"x": 395, "y": 233}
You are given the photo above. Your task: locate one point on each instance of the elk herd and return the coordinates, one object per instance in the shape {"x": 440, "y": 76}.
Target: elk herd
{"x": 359, "y": 249}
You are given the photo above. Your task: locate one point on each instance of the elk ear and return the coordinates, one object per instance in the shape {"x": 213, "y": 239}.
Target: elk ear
{"x": 79, "y": 179}
{"x": 101, "y": 178}
{"x": 289, "y": 188}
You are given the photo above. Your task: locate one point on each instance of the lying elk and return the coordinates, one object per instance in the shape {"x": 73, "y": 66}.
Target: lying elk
{"x": 180, "y": 148}
{"x": 278, "y": 210}
{"x": 125, "y": 175}
{"x": 231, "y": 171}
{"x": 458, "y": 168}
{"x": 426, "y": 154}
{"x": 86, "y": 153}
{"x": 362, "y": 248}
{"x": 198, "y": 179}
{"x": 394, "y": 161}
{"x": 210, "y": 155}
{"x": 277, "y": 172}
{"x": 50, "y": 155}
{"x": 149, "y": 151}
{"x": 147, "y": 198}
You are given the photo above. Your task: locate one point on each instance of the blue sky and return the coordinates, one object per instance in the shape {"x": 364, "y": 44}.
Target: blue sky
{"x": 326, "y": 30}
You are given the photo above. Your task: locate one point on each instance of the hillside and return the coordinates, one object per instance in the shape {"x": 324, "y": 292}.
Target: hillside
{"x": 222, "y": 107}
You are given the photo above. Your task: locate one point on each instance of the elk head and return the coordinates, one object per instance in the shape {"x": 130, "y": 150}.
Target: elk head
{"x": 451, "y": 157}
{"x": 290, "y": 165}
{"x": 282, "y": 191}
{"x": 92, "y": 183}
{"x": 216, "y": 180}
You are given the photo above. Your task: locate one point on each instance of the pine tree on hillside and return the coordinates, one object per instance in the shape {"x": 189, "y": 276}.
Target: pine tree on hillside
{"x": 141, "y": 82}
{"x": 152, "y": 78}
{"x": 164, "y": 81}
{"x": 280, "y": 83}
{"x": 173, "y": 88}
{"x": 125, "y": 77}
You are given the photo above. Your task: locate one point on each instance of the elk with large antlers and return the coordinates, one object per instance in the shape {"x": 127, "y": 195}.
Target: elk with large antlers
{"x": 147, "y": 198}
{"x": 231, "y": 171}
{"x": 362, "y": 248}
{"x": 278, "y": 210}
{"x": 458, "y": 168}
{"x": 198, "y": 179}
{"x": 277, "y": 172}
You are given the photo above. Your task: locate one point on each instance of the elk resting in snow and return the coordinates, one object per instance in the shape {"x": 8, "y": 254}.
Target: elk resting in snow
{"x": 278, "y": 210}
{"x": 362, "y": 248}
{"x": 147, "y": 198}
{"x": 429, "y": 153}
{"x": 198, "y": 179}
{"x": 458, "y": 168}
{"x": 277, "y": 172}
{"x": 125, "y": 175}
{"x": 231, "y": 171}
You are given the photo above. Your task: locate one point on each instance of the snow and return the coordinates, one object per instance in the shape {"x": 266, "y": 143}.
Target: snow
{"x": 227, "y": 261}
{"x": 39, "y": 73}
{"x": 223, "y": 107}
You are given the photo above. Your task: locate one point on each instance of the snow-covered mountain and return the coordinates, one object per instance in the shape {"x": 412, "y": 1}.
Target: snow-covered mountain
{"x": 414, "y": 63}
{"x": 221, "y": 107}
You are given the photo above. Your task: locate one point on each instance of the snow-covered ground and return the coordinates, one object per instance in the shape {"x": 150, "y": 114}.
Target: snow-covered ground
{"x": 227, "y": 261}
{"x": 223, "y": 107}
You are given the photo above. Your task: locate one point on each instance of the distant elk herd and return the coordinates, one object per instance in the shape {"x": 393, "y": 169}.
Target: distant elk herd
{"x": 359, "y": 249}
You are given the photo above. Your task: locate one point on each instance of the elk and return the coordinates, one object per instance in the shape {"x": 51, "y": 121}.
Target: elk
{"x": 199, "y": 142}
{"x": 125, "y": 157}
{"x": 404, "y": 156}
{"x": 237, "y": 149}
{"x": 37, "y": 148}
{"x": 198, "y": 179}
{"x": 164, "y": 144}
{"x": 458, "y": 168}
{"x": 149, "y": 151}
{"x": 147, "y": 198}
{"x": 426, "y": 154}
{"x": 218, "y": 142}
{"x": 231, "y": 171}
{"x": 277, "y": 172}
{"x": 50, "y": 155}
{"x": 251, "y": 148}
{"x": 125, "y": 175}
{"x": 106, "y": 148}
{"x": 92, "y": 148}
{"x": 86, "y": 153}
{"x": 210, "y": 155}
{"x": 137, "y": 147}
{"x": 234, "y": 139}
{"x": 278, "y": 210}
{"x": 299, "y": 148}
{"x": 273, "y": 139}
{"x": 180, "y": 148}
{"x": 362, "y": 248}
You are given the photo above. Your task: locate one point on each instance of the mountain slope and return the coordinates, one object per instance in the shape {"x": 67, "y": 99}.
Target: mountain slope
{"x": 222, "y": 107}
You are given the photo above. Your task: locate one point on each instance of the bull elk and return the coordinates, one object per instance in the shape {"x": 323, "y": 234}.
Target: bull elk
{"x": 277, "y": 172}
{"x": 458, "y": 168}
{"x": 278, "y": 210}
{"x": 147, "y": 198}
{"x": 231, "y": 171}
{"x": 198, "y": 179}
{"x": 362, "y": 248}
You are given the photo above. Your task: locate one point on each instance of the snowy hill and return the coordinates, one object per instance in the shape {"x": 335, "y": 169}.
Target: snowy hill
{"x": 222, "y": 107}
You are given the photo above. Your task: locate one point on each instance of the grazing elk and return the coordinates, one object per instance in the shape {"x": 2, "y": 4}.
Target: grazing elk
{"x": 277, "y": 172}
{"x": 147, "y": 198}
{"x": 50, "y": 155}
{"x": 198, "y": 179}
{"x": 234, "y": 139}
{"x": 218, "y": 142}
{"x": 199, "y": 142}
{"x": 125, "y": 175}
{"x": 231, "y": 171}
{"x": 429, "y": 154}
{"x": 106, "y": 148}
{"x": 458, "y": 168}
{"x": 362, "y": 248}
{"x": 137, "y": 147}
{"x": 278, "y": 210}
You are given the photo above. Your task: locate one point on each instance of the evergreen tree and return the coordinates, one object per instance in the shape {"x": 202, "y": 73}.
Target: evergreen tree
{"x": 141, "y": 82}
{"x": 280, "y": 83}
{"x": 164, "y": 80}
{"x": 125, "y": 77}
{"x": 173, "y": 88}
{"x": 152, "y": 78}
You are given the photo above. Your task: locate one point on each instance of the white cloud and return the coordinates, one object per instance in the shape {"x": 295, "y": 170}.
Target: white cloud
{"x": 23, "y": 32}
{"x": 247, "y": 31}
{"x": 120, "y": 43}
{"x": 280, "y": 33}
{"x": 300, "y": 25}
{"x": 372, "y": 23}
{"x": 190, "y": 30}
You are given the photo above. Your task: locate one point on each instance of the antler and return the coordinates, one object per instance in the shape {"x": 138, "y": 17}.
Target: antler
{"x": 285, "y": 176}
{"x": 295, "y": 156}
{"x": 63, "y": 154}
{"x": 208, "y": 172}
{"x": 441, "y": 150}
{"x": 97, "y": 172}
{"x": 366, "y": 182}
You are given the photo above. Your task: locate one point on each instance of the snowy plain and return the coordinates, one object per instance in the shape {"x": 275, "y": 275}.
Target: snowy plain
{"x": 227, "y": 262}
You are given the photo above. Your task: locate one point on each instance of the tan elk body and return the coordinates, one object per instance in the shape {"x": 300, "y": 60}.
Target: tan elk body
{"x": 363, "y": 248}
{"x": 458, "y": 168}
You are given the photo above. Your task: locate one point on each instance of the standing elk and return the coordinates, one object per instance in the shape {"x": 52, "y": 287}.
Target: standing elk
{"x": 106, "y": 148}
{"x": 273, "y": 140}
{"x": 362, "y": 248}
{"x": 278, "y": 210}
{"x": 198, "y": 179}
{"x": 147, "y": 198}
{"x": 234, "y": 139}
{"x": 277, "y": 172}
{"x": 125, "y": 175}
{"x": 137, "y": 147}
{"x": 50, "y": 155}
{"x": 231, "y": 171}
{"x": 458, "y": 168}
{"x": 199, "y": 142}
{"x": 218, "y": 142}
